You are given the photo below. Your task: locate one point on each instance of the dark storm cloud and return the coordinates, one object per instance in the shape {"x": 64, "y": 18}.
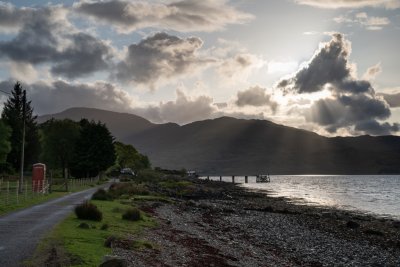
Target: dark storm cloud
{"x": 353, "y": 104}
{"x": 255, "y": 96}
{"x": 46, "y": 37}
{"x": 159, "y": 57}
{"x": 392, "y": 99}
{"x": 329, "y": 66}
{"x": 375, "y": 128}
{"x": 85, "y": 55}
{"x": 358, "y": 111}
{"x": 184, "y": 16}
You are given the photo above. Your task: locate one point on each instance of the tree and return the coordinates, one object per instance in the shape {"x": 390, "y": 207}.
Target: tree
{"x": 129, "y": 157}
{"x": 94, "y": 150}
{"x": 5, "y": 146}
{"x": 12, "y": 115}
{"x": 59, "y": 138}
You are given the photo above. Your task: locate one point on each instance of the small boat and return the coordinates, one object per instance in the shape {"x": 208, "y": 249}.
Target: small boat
{"x": 263, "y": 178}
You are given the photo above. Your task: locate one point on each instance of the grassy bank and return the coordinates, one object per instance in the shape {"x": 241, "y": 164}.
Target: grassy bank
{"x": 12, "y": 202}
{"x": 70, "y": 245}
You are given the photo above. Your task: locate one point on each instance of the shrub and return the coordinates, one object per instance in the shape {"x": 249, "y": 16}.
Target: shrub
{"x": 88, "y": 211}
{"x": 132, "y": 214}
{"x": 101, "y": 194}
{"x": 129, "y": 189}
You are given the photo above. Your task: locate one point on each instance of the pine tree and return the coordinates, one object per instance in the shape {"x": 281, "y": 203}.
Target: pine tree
{"x": 94, "y": 151}
{"x": 12, "y": 115}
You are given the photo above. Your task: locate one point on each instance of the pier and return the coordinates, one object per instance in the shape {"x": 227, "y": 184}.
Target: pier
{"x": 260, "y": 178}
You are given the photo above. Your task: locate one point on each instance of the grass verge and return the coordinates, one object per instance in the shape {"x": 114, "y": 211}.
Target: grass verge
{"x": 69, "y": 245}
{"x": 37, "y": 199}
{"x": 30, "y": 202}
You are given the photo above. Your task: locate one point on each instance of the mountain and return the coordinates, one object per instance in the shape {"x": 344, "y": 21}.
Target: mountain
{"x": 228, "y": 146}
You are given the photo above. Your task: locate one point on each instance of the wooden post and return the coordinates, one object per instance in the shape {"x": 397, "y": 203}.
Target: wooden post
{"x": 220, "y": 178}
{"x": 208, "y": 178}
{"x": 246, "y": 180}
{"x": 26, "y": 190}
{"x": 8, "y": 191}
{"x": 233, "y": 179}
{"x": 17, "y": 191}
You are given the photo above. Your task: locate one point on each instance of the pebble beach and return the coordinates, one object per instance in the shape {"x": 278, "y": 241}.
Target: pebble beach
{"x": 221, "y": 224}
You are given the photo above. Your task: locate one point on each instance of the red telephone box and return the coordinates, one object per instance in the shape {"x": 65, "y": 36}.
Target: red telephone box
{"x": 38, "y": 177}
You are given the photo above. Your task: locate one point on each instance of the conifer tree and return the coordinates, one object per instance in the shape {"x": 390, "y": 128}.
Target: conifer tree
{"x": 13, "y": 116}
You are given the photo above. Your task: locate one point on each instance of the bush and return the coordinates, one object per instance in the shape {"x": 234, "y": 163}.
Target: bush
{"x": 117, "y": 190}
{"x": 88, "y": 211}
{"x": 132, "y": 214}
{"x": 101, "y": 194}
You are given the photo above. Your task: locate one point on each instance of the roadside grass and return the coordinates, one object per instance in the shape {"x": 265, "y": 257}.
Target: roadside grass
{"x": 29, "y": 202}
{"x": 33, "y": 199}
{"x": 85, "y": 247}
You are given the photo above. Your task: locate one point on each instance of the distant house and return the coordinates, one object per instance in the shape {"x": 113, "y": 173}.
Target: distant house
{"x": 127, "y": 171}
{"x": 191, "y": 173}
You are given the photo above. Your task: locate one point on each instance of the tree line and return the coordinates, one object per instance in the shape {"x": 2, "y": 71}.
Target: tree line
{"x": 76, "y": 149}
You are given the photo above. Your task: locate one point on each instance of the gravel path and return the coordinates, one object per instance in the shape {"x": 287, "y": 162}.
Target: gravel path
{"x": 21, "y": 231}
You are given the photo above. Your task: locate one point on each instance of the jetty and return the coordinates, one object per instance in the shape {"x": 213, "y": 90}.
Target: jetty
{"x": 259, "y": 178}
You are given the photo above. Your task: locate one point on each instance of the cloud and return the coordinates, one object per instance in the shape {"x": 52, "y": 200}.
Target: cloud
{"x": 390, "y": 4}
{"x": 255, "y": 96}
{"x": 59, "y": 95}
{"x": 392, "y": 99}
{"x": 12, "y": 18}
{"x": 182, "y": 110}
{"x": 328, "y": 66}
{"x": 237, "y": 67}
{"x": 362, "y": 18}
{"x": 372, "y": 72}
{"x": 352, "y": 104}
{"x": 47, "y": 37}
{"x": 183, "y": 16}
{"x": 160, "y": 57}
{"x": 375, "y": 128}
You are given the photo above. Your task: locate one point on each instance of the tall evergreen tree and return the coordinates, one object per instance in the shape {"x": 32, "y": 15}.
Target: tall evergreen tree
{"x": 94, "y": 150}
{"x": 5, "y": 146}
{"x": 12, "y": 115}
{"x": 58, "y": 139}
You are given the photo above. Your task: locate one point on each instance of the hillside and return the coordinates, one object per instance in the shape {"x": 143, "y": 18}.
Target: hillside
{"x": 236, "y": 146}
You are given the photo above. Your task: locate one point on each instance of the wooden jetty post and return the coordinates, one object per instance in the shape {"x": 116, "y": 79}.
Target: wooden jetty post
{"x": 246, "y": 180}
{"x": 220, "y": 178}
{"x": 233, "y": 179}
{"x": 208, "y": 177}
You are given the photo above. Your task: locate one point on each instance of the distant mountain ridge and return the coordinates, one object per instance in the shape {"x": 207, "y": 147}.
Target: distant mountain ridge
{"x": 229, "y": 146}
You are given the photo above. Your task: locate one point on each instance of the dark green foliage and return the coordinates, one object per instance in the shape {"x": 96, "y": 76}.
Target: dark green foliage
{"x": 12, "y": 115}
{"x": 117, "y": 190}
{"x": 101, "y": 194}
{"x": 132, "y": 214}
{"x": 94, "y": 150}
{"x": 129, "y": 157}
{"x": 148, "y": 175}
{"x": 58, "y": 143}
{"x": 88, "y": 211}
{"x": 5, "y": 145}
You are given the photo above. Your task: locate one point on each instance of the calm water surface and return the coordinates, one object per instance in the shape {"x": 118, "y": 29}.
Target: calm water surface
{"x": 375, "y": 194}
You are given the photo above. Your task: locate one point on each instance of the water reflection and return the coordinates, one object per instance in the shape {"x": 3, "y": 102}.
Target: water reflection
{"x": 377, "y": 194}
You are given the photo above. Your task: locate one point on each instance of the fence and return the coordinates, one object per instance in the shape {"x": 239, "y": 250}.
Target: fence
{"x": 10, "y": 195}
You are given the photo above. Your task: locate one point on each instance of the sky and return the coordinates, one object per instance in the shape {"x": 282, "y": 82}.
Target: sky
{"x": 327, "y": 66}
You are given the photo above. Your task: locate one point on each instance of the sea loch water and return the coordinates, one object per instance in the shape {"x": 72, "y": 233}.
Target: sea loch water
{"x": 373, "y": 194}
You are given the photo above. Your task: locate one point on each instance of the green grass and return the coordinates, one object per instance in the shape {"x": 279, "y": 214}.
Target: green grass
{"x": 30, "y": 201}
{"x": 87, "y": 245}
